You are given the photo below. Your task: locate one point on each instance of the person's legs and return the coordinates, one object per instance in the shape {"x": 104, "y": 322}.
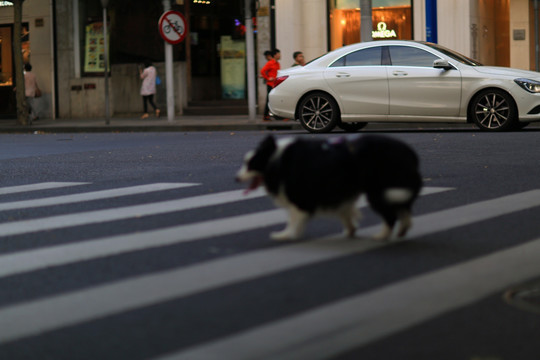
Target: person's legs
{"x": 145, "y": 106}
{"x": 30, "y": 105}
{"x": 266, "y": 108}
{"x": 151, "y": 101}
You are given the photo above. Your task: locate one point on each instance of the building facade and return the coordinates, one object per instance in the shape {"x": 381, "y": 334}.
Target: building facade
{"x": 494, "y": 32}
{"x": 63, "y": 41}
{"x": 37, "y": 48}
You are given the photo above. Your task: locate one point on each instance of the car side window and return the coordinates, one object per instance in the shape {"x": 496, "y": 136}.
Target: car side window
{"x": 364, "y": 57}
{"x": 410, "y": 56}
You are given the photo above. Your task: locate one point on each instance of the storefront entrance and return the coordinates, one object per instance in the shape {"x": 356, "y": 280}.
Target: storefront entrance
{"x": 7, "y": 95}
{"x": 217, "y": 50}
{"x": 8, "y": 103}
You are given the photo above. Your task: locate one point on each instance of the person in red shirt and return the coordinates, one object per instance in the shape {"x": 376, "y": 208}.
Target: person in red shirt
{"x": 269, "y": 73}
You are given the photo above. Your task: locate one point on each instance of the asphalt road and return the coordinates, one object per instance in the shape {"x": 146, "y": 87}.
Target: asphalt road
{"x": 142, "y": 246}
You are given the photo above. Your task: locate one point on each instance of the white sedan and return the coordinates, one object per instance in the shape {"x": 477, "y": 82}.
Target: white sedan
{"x": 404, "y": 81}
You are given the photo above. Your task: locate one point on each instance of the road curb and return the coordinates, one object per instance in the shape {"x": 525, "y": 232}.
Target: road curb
{"x": 36, "y": 129}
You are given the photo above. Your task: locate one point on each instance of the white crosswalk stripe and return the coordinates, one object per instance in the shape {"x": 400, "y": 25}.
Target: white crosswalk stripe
{"x": 127, "y": 212}
{"x": 36, "y": 187}
{"x": 367, "y": 316}
{"x": 90, "y": 196}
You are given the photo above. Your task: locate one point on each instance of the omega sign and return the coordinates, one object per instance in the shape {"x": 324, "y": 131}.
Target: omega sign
{"x": 382, "y": 32}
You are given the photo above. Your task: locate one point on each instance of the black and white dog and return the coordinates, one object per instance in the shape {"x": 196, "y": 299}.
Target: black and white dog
{"x": 311, "y": 177}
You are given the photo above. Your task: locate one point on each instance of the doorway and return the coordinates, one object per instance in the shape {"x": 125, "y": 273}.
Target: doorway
{"x": 217, "y": 50}
{"x": 8, "y": 102}
{"x": 7, "y": 95}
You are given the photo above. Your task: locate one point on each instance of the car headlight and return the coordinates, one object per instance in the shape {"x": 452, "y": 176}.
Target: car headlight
{"x": 531, "y": 86}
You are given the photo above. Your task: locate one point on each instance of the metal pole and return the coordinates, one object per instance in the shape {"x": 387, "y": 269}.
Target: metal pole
{"x": 366, "y": 22}
{"x": 76, "y": 42}
{"x": 53, "y": 61}
{"x": 169, "y": 72}
{"x": 536, "y": 45}
{"x": 106, "y": 59}
{"x": 250, "y": 59}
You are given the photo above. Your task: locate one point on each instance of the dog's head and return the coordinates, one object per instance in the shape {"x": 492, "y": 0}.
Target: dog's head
{"x": 255, "y": 163}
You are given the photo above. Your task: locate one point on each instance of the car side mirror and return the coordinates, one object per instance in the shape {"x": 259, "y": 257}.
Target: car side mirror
{"x": 442, "y": 64}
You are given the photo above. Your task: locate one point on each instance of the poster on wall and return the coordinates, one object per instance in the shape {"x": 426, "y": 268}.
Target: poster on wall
{"x": 233, "y": 68}
{"x": 94, "y": 59}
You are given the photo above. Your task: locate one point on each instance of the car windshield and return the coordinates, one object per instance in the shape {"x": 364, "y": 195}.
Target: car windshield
{"x": 454, "y": 55}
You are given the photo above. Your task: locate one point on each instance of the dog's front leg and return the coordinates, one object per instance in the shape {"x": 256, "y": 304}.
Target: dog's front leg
{"x": 295, "y": 226}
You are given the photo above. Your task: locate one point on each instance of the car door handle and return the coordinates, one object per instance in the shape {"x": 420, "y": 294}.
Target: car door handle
{"x": 400, "y": 73}
{"x": 343, "y": 75}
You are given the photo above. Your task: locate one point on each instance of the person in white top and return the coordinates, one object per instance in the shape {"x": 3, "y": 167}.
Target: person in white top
{"x": 31, "y": 88}
{"x": 148, "y": 87}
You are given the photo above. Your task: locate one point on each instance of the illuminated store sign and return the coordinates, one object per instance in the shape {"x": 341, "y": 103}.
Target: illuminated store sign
{"x": 382, "y": 32}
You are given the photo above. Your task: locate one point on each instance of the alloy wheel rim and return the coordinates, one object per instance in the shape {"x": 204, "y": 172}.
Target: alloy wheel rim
{"x": 492, "y": 111}
{"x": 317, "y": 113}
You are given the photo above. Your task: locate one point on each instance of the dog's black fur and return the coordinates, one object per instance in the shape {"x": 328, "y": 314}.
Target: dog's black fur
{"x": 308, "y": 177}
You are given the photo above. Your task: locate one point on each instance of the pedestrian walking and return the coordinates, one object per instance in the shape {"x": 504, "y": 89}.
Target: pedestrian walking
{"x": 269, "y": 73}
{"x": 31, "y": 91}
{"x": 148, "y": 88}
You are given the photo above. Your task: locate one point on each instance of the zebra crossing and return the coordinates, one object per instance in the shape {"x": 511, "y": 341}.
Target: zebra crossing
{"x": 352, "y": 321}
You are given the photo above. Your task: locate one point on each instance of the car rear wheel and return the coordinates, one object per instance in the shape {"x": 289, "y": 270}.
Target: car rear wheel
{"x": 352, "y": 127}
{"x": 493, "y": 110}
{"x": 318, "y": 113}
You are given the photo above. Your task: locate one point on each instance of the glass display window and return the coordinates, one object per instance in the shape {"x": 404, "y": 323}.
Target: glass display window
{"x": 392, "y": 19}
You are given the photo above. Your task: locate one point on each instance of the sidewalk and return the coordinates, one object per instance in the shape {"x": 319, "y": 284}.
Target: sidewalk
{"x": 199, "y": 123}
{"x": 135, "y": 124}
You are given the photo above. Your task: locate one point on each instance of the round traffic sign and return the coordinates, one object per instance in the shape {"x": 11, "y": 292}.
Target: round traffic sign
{"x": 172, "y": 27}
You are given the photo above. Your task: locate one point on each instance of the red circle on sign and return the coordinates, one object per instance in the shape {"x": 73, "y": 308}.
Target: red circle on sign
{"x": 172, "y": 27}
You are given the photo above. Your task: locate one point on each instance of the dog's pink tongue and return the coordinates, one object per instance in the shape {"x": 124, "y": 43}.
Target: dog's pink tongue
{"x": 255, "y": 183}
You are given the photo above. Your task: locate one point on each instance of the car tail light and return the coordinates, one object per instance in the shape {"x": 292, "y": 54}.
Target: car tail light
{"x": 280, "y": 79}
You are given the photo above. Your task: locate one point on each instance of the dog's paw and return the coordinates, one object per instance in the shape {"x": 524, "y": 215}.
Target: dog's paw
{"x": 283, "y": 236}
{"x": 384, "y": 235}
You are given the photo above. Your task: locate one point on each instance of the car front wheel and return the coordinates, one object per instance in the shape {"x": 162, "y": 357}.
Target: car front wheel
{"x": 493, "y": 110}
{"x": 318, "y": 113}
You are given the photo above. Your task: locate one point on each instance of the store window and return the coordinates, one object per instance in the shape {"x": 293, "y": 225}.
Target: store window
{"x": 392, "y": 19}
{"x": 133, "y": 36}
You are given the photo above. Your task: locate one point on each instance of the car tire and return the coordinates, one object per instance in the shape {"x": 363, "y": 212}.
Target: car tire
{"x": 352, "y": 127}
{"x": 318, "y": 113}
{"x": 494, "y": 110}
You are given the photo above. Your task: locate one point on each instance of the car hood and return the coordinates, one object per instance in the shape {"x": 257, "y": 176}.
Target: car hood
{"x": 504, "y": 71}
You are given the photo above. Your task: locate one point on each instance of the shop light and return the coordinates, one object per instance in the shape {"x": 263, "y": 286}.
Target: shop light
{"x": 5, "y": 3}
{"x": 202, "y": 2}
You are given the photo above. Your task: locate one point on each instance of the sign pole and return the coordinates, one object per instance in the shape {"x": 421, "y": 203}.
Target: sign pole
{"x": 173, "y": 29}
{"x": 169, "y": 74}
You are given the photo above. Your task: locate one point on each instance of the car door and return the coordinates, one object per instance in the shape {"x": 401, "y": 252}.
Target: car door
{"x": 416, "y": 88}
{"x": 360, "y": 83}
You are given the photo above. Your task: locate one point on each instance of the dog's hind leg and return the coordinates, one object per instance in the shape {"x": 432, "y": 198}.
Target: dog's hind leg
{"x": 295, "y": 226}
{"x": 381, "y": 206}
{"x": 385, "y": 234}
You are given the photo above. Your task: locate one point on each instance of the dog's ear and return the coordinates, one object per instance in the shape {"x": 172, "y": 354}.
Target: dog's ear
{"x": 268, "y": 144}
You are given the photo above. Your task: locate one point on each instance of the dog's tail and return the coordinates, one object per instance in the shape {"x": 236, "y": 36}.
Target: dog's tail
{"x": 399, "y": 195}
